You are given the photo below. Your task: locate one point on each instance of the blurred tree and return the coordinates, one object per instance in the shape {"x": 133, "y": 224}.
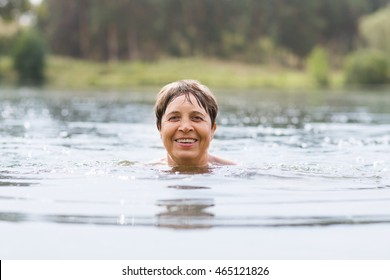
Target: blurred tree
{"x": 62, "y": 27}
{"x": 298, "y": 26}
{"x": 318, "y": 66}
{"x": 29, "y": 56}
{"x": 12, "y": 9}
{"x": 146, "y": 29}
{"x": 371, "y": 65}
{"x": 341, "y": 24}
{"x": 367, "y": 67}
{"x": 10, "y": 12}
{"x": 375, "y": 29}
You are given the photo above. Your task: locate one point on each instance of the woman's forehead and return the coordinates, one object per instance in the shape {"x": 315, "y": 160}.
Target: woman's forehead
{"x": 183, "y": 102}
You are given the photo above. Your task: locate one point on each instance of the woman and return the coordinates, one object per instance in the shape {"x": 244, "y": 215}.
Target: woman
{"x": 185, "y": 115}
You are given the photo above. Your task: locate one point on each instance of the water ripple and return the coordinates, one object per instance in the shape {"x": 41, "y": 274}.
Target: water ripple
{"x": 199, "y": 221}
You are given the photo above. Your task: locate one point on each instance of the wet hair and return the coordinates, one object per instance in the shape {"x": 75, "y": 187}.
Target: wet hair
{"x": 202, "y": 94}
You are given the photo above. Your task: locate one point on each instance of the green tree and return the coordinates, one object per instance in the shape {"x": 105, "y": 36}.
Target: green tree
{"x": 374, "y": 29}
{"x": 122, "y": 29}
{"x": 367, "y": 67}
{"x": 318, "y": 66}
{"x": 12, "y": 9}
{"x": 29, "y": 58}
{"x": 298, "y": 25}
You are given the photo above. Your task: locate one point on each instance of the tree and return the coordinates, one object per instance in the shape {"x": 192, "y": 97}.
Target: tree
{"x": 298, "y": 25}
{"x": 374, "y": 28}
{"x": 29, "y": 57}
{"x": 12, "y": 9}
{"x": 318, "y": 66}
{"x": 367, "y": 67}
{"x": 147, "y": 29}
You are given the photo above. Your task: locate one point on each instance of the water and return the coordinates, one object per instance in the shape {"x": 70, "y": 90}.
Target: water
{"x": 312, "y": 180}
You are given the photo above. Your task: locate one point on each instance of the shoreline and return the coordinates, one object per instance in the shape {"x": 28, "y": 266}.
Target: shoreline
{"x": 74, "y": 74}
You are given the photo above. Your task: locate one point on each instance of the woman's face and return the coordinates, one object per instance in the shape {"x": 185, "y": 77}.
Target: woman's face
{"x": 186, "y": 132}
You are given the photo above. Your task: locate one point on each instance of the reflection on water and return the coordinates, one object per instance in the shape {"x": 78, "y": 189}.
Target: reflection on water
{"x": 186, "y": 187}
{"x": 305, "y": 159}
{"x": 8, "y": 180}
{"x": 15, "y": 184}
{"x": 190, "y": 170}
{"x": 185, "y": 213}
{"x": 196, "y": 218}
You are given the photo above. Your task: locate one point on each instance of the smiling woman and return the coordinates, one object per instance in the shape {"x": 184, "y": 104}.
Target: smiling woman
{"x": 185, "y": 116}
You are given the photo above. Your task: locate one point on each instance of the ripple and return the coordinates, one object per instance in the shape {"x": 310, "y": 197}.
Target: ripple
{"x": 198, "y": 221}
{"x": 83, "y": 155}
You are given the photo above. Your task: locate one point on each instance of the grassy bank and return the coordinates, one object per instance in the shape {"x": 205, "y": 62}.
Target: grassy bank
{"x": 78, "y": 74}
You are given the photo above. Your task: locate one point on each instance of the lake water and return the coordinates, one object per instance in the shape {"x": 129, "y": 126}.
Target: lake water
{"x": 312, "y": 180}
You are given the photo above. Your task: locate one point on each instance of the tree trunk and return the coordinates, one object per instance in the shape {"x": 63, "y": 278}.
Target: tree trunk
{"x": 113, "y": 47}
{"x": 84, "y": 29}
{"x": 133, "y": 52}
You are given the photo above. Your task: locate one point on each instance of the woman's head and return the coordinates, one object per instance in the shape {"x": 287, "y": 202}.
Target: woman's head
{"x": 201, "y": 93}
{"x": 185, "y": 116}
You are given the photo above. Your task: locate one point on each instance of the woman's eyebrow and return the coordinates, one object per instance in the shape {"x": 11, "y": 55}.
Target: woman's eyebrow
{"x": 197, "y": 112}
{"x": 173, "y": 113}
{"x": 178, "y": 113}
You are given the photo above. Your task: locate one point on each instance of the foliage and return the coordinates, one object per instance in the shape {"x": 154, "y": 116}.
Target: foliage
{"x": 8, "y": 32}
{"x": 5, "y": 43}
{"x": 12, "y": 9}
{"x": 29, "y": 57}
{"x": 374, "y": 28}
{"x": 318, "y": 66}
{"x": 150, "y": 29}
{"x": 367, "y": 67}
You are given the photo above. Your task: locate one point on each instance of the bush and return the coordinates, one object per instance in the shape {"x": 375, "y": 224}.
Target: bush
{"x": 367, "y": 67}
{"x": 318, "y": 66}
{"x": 374, "y": 29}
{"x": 5, "y": 43}
{"x": 29, "y": 58}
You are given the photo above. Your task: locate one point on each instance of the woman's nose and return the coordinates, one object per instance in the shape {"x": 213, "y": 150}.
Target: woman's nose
{"x": 185, "y": 126}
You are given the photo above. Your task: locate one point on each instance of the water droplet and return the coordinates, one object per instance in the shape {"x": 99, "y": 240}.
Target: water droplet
{"x": 27, "y": 125}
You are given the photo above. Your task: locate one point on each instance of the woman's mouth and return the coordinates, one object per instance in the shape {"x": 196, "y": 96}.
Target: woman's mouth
{"x": 186, "y": 140}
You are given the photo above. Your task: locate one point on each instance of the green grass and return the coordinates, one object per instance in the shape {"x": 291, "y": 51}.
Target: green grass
{"x": 79, "y": 74}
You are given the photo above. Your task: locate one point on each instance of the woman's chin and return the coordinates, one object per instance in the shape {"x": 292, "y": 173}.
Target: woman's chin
{"x": 188, "y": 159}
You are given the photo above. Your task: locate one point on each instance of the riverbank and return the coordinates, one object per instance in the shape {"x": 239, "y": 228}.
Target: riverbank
{"x": 70, "y": 73}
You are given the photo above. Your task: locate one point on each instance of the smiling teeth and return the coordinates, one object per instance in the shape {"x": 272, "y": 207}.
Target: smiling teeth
{"x": 185, "y": 140}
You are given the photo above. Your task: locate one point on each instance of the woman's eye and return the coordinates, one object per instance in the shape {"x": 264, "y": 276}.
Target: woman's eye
{"x": 197, "y": 118}
{"x": 173, "y": 118}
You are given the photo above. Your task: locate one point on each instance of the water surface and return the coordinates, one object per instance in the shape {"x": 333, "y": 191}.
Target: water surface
{"x": 312, "y": 180}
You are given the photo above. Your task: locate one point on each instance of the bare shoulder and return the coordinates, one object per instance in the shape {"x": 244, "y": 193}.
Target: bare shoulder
{"x": 220, "y": 161}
